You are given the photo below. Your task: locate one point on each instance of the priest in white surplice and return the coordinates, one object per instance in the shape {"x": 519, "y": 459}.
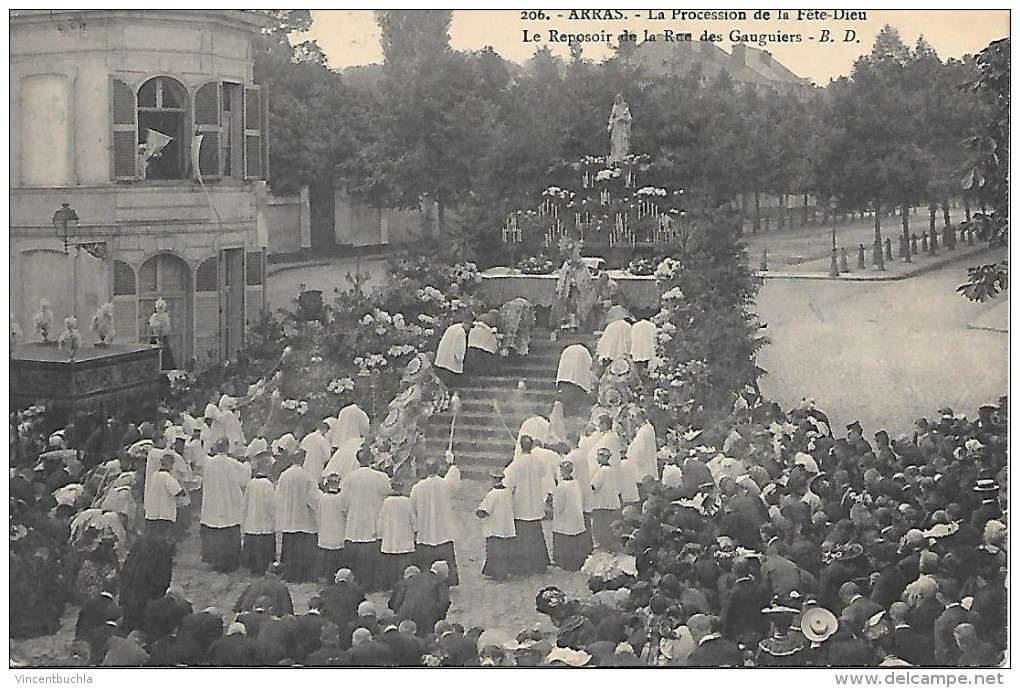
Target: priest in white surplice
{"x": 642, "y": 343}
{"x": 297, "y": 498}
{"x": 223, "y": 486}
{"x": 317, "y": 450}
{"x": 483, "y": 349}
{"x": 641, "y": 451}
{"x": 537, "y": 428}
{"x": 345, "y": 458}
{"x": 614, "y": 342}
{"x": 525, "y": 477}
{"x": 453, "y": 348}
{"x": 574, "y": 376}
{"x": 362, "y": 494}
{"x": 431, "y": 502}
{"x": 350, "y": 422}
{"x": 609, "y": 439}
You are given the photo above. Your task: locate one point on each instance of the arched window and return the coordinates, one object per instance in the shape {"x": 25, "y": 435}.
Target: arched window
{"x": 123, "y": 279}
{"x": 162, "y": 113}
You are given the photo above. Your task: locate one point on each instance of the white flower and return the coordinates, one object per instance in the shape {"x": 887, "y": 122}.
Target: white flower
{"x": 381, "y": 330}
{"x": 674, "y": 293}
{"x": 367, "y": 320}
{"x": 398, "y": 321}
{"x": 316, "y": 359}
{"x": 302, "y": 408}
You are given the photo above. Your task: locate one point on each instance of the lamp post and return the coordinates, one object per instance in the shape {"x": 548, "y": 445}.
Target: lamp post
{"x": 65, "y": 224}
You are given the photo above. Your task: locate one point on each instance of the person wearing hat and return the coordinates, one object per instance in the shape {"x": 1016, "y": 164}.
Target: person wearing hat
{"x": 572, "y": 542}
{"x": 989, "y": 508}
{"x": 223, "y": 486}
{"x": 297, "y": 497}
{"x": 855, "y": 436}
{"x": 431, "y": 502}
{"x": 817, "y": 624}
{"x": 785, "y": 645}
{"x": 397, "y": 527}
{"x": 526, "y": 478}
{"x": 362, "y": 495}
{"x": 844, "y": 564}
{"x": 317, "y": 450}
{"x": 258, "y": 518}
{"x": 496, "y": 511}
{"x": 332, "y": 526}
{"x": 161, "y": 499}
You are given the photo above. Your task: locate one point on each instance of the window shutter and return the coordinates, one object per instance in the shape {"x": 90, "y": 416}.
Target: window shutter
{"x": 207, "y": 121}
{"x": 265, "y": 133}
{"x": 123, "y": 132}
{"x": 253, "y": 132}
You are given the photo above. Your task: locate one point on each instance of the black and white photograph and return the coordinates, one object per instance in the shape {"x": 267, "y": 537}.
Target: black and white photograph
{"x": 579, "y": 338}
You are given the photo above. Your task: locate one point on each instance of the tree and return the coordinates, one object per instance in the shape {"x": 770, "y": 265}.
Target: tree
{"x": 988, "y": 176}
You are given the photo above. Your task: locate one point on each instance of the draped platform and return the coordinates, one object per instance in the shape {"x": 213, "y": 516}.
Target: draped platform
{"x": 118, "y": 376}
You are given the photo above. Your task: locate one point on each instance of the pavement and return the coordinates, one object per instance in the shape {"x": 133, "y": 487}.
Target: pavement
{"x": 885, "y": 353}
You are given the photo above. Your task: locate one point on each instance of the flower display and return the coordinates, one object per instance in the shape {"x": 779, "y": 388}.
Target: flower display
{"x": 70, "y": 338}
{"x": 159, "y": 321}
{"x": 43, "y": 320}
{"x": 102, "y": 324}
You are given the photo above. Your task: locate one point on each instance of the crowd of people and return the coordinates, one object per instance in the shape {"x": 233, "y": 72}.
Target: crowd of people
{"x": 763, "y": 540}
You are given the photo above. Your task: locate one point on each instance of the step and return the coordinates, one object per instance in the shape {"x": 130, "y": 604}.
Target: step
{"x": 511, "y": 383}
{"x": 480, "y": 392}
{"x": 485, "y": 447}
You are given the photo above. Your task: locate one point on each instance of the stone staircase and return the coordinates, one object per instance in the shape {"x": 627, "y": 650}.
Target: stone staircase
{"x": 493, "y": 406}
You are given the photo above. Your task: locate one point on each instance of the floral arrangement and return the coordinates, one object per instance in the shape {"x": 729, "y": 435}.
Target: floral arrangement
{"x": 295, "y": 406}
{"x": 70, "y": 338}
{"x": 341, "y": 386}
{"x": 642, "y": 267}
{"x": 102, "y": 324}
{"x": 43, "y": 321}
{"x": 536, "y": 265}
{"x": 159, "y": 321}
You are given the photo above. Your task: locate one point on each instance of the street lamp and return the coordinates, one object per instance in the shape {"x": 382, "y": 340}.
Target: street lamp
{"x": 65, "y": 223}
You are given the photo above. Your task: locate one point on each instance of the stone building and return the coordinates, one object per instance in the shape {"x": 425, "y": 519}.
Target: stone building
{"x": 92, "y": 95}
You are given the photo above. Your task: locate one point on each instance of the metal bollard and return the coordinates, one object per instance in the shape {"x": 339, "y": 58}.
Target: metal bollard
{"x": 844, "y": 263}
{"x": 861, "y": 262}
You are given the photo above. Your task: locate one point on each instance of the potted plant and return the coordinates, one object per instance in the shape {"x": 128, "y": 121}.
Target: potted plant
{"x": 159, "y": 323}
{"x": 102, "y": 325}
{"x": 70, "y": 339}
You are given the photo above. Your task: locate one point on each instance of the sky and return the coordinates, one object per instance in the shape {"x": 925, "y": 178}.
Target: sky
{"x": 351, "y": 37}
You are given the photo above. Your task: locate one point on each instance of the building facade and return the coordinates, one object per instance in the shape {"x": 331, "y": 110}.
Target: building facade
{"x": 93, "y": 95}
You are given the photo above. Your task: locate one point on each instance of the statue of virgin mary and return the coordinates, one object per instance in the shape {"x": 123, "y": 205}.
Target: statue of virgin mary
{"x": 619, "y": 130}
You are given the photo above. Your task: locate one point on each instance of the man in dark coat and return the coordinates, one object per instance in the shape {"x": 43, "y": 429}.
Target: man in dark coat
{"x": 713, "y": 650}
{"x": 144, "y": 577}
{"x": 99, "y": 640}
{"x": 947, "y": 652}
{"x": 307, "y": 629}
{"x": 341, "y": 599}
{"x": 234, "y": 649}
{"x": 163, "y": 616}
{"x": 270, "y": 585}
{"x": 422, "y": 597}
{"x": 857, "y": 609}
{"x": 367, "y": 651}
{"x": 457, "y": 650}
{"x": 406, "y": 648}
{"x": 742, "y": 619}
{"x": 95, "y": 612}
{"x": 975, "y": 652}
{"x": 906, "y": 642}
{"x": 329, "y": 653}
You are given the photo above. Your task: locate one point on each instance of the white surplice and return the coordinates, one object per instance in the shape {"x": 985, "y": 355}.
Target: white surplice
{"x": 575, "y": 367}
{"x": 482, "y": 337}
{"x": 362, "y": 495}
{"x": 258, "y": 510}
{"x": 431, "y": 500}
{"x": 345, "y": 458}
{"x": 317, "y": 452}
{"x": 525, "y": 477}
{"x": 331, "y": 520}
{"x": 642, "y": 450}
{"x": 452, "y": 347}
{"x": 297, "y": 497}
{"x": 642, "y": 341}
{"x": 223, "y": 484}
{"x": 350, "y": 422}
{"x": 615, "y": 341}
